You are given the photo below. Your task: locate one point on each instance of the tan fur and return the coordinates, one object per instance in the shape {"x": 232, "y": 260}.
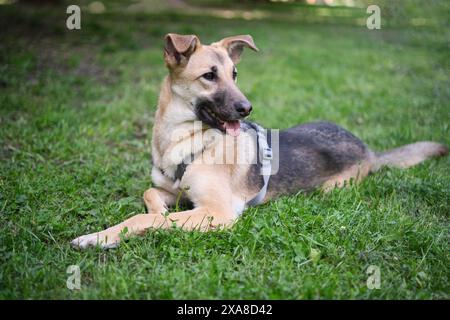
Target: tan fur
{"x": 410, "y": 155}
{"x": 354, "y": 173}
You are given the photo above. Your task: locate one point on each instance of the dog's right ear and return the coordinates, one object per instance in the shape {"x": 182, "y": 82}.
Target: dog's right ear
{"x": 179, "y": 48}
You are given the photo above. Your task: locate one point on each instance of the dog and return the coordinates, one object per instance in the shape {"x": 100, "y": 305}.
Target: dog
{"x": 200, "y": 112}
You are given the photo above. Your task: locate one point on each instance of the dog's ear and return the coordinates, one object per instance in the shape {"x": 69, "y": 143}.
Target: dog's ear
{"x": 235, "y": 45}
{"x": 178, "y": 49}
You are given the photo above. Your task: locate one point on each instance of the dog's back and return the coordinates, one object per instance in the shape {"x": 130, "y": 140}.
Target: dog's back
{"x": 322, "y": 154}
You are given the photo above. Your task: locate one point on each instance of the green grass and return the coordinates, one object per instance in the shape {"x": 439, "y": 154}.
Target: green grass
{"x": 76, "y": 111}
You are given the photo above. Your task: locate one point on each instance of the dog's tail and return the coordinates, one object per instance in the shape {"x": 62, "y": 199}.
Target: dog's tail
{"x": 409, "y": 155}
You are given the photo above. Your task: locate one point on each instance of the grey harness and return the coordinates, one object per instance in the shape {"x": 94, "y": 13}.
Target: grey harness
{"x": 264, "y": 161}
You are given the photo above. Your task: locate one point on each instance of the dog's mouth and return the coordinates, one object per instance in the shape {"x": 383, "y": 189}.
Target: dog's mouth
{"x": 207, "y": 115}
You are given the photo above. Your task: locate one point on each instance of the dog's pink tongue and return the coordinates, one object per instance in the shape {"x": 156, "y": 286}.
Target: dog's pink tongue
{"x": 233, "y": 128}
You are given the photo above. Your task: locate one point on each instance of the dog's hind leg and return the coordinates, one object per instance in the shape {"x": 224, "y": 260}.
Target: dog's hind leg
{"x": 355, "y": 173}
{"x": 201, "y": 218}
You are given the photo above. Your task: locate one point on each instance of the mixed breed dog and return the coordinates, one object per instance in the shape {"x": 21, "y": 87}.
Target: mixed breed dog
{"x": 206, "y": 155}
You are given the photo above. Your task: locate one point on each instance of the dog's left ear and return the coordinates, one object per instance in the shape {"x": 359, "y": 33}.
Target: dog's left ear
{"x": 235, "y": 45}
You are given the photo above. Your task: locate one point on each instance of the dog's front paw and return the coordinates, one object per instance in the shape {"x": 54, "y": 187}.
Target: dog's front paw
{"x": 89, "y": 240}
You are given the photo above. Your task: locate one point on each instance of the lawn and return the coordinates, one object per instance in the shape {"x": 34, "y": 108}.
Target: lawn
{"x": 76, "y": 111}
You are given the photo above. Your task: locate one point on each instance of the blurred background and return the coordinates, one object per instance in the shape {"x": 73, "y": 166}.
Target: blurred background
{"x": 314, "y": 53}
{"x": 396, "y": 13}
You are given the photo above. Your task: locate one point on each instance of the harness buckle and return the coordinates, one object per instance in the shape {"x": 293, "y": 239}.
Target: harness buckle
{"x": 267, "y": 153}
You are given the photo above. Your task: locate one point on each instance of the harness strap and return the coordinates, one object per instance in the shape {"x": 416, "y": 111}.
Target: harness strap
{"x": 265, "y": 156}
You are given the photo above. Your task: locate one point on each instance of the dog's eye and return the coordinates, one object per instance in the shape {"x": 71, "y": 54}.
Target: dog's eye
{"x": 234, "y": 74}
{"x": 210, "y": 76}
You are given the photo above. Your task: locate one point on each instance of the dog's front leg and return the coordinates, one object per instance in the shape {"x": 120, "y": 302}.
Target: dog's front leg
{"x": 110, "y": 237}
{"x": 157, "y": 200}
{"x": 200, "y": 218}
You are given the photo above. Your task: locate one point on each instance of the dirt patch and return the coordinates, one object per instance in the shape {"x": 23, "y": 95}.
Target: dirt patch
{"x": 75, "y": 61}
{"x": 42, "y": 36}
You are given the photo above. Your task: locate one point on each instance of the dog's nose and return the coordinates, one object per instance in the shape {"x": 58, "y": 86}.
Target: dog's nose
{"x": 243, "y": 107}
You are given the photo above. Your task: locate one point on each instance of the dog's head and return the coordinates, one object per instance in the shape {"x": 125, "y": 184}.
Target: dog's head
{"x": 204, "y": 76}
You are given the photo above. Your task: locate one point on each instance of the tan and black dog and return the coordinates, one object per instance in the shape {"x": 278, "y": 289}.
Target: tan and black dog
{"x": 200, "y": 116}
